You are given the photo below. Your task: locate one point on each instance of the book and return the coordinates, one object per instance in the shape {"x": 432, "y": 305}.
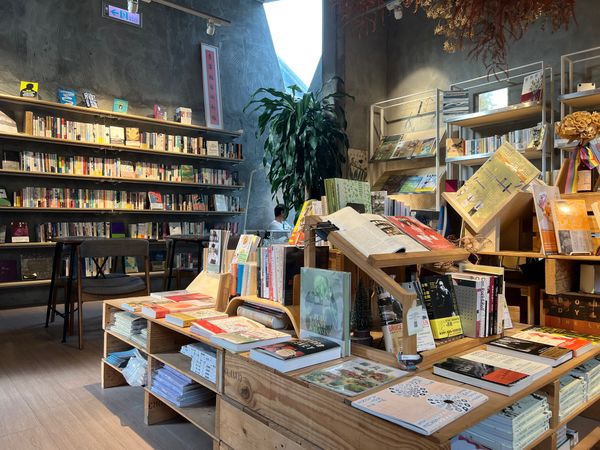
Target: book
{"x": 67, "y": 97}
{"x": 212, "y": 148}
{"x": 297, "y": 236}
{"x": 247, "y": 245}
{"x": 132, "y": 137}
{"x": 341, "y": 193}
{"x": 442, "y": 308}
{"x": 410, "y": 184}
{"x": 185, "y": 319}
{"x": 156, "y": 201}
{"x": 543, "y": 198}
{"x": 296, "y": 354}
{"x": 427, "y": 184}
{"x": 372, "y": 234}
{"x": 185, "y": 296}
{"x": 577, "y": 345}
{"x": 245, "y": 340}
{"x": 216, "y": 249}
{"x": 120, "y": 105}
{"x": 507, "y": 171}
{"x": 421, "y": 233}
{"x": 483, "y": 371}
{"x": 353, "y": 377}
{"x": 275, "y": 319}
{"x": 532, "y": 351}
{"x": 29, "y": 89}
{"x": 19, "y": 232}
{"x": 160, "y": 310}
{"x": 90, "y": 100}
{"x": 135, "y": 304}
{"x": 572, "y": 227}
{"x": 117, "y": 135}
{"x": 405, "y": 149}
{"x": 420, "y": 404}
{"x": 325, "y": 306}
{"x": 386, "y": 147}
{"x": 472, "y": 299}
{"x": 209, "y": 327}
{"x": 533, "y": 86}
{"x": 160, "y": 112}
{"x": 455, "y": 147}
{"x": 428, "y": 147}
{"x": 7, "y": 125}
{"x": 183, "y": 115}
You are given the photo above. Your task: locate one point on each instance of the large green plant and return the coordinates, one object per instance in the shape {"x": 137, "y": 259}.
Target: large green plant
{"x": 305, "y": 140}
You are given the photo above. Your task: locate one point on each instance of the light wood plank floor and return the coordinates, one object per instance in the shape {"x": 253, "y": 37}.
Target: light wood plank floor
{"x": 50, "y": 394}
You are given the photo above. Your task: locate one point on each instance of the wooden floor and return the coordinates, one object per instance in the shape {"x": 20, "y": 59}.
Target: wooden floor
{"x": 50, "y": 394}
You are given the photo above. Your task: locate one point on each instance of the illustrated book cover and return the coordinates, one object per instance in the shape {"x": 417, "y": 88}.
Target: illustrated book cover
{"x": 572, "y": 227}
{"x": 441, "y": 304}
{"x": 543, "y": 197}
{"x": 296, "y": 354}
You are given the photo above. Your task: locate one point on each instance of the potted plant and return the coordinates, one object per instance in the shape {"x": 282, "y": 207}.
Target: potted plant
{"x": 305, "y": 140}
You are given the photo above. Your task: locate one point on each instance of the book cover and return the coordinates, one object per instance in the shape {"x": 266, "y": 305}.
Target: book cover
{"x": 349, "y": 192}
{"x": 579, "y": 346}
{"x": 117, "y": 230}
{"x": 28, "y": 89}
{"x": 132, "y": 137}
{"x": 160, "y": 112}
{"x": 543, "y": 197}
{"x": 428, "y": 147}
{"x": 297, "y": 348}
{"x": 378, "y": 199}
{"x": 19, "y": 232}
{"x": 421, "y": 233}
{"x": 159, "y": 311}
{"x": 572, "y": 227}
{"x": 117, "y": 135}
{"x": 250, "y": 336}
{"x": 90, "y": 100}
{"x": 533, "y": 86}
{"x": 420, "y": 404}
{"x": 386, "y": 147}
{"x": 67, "y": 97}
{"x": 410, "y": 184}
{"x": 156, "y": 201}
{"x": 524, "y": 349}
{"x": 406, "y": 149}
{"x": 215, "y": 251}
{"x": 325, "y": 306}
{"x": 529, "y": 368}
{"x": 246, "y": 246}
{"x": 353, "y": 377}
{"x": 185, "y": 319}
{"x": 120, "y": 105}
{"x": 477, "y": 371}
{"x": 208, "y": 327}
{"x": 393, "y": 183}
{"x": 202, "y": 298}
{"x": 442, "y": 308}
{"x": 428, "y": 183}
{"x": 455, "y": 147}
{"x": 297, "y": 236}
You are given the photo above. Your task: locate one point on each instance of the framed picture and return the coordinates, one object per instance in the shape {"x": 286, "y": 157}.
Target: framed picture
{"x": 212, "y": 86}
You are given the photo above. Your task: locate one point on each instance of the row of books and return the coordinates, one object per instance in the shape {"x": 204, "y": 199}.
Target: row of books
{"x": 42, "y": 197}
{"x": 116, "y": 167}
{"x": 132, "y": 327}
{"x": 528, "y": 138}
{"x": 409, "y": 184}
{"x": 182, "y": 391}
{"x": 387, "y": 206}
{"x": 203, "y": 360}
{"x": 397, "y": 147}
{"x": 514, "y": 427}
{"x": 60, "y": 128}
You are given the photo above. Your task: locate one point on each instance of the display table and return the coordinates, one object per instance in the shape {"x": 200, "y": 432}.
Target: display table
{"x": 256, "y": 407}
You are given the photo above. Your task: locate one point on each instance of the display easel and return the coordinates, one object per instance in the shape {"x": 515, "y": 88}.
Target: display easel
{"x": 374, "y": 266}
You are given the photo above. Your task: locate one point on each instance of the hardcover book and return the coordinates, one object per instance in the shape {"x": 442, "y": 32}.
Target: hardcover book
{"x": 532, "y": 351}
{"x": 245, "y": 340}
{"x": 159, "y": 311}
{"x": 420, "y": 404}
{"x": 209, "y": 327}
{"x": 185, "y": 319}
{"x": 19, "y": 232}
{"x": 577, "y": 345}
{"x": 156, "y": 201}
{"x": 442, "y": 308}
{"x": 28, "y": 89}
{"x": 427, "y": 148}
{"x": 67, "y": 97}
{"x": 296, "y": 354}
{"x": 132, "y": 137}
{"x": 353, "y": 377}
{"x": 533, "y": 86}
{"x": 543, "y": 198}
{"x": 572, "y": 227}
{"x": 406, "y": 149}
{"x": 325, "y": 306}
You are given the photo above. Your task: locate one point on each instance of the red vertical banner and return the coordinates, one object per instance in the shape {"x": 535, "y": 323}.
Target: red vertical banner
{"x": 212, "y": 86}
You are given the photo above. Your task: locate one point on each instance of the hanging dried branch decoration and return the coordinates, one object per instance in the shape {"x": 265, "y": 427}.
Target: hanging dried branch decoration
{"x": 486, "y": 25}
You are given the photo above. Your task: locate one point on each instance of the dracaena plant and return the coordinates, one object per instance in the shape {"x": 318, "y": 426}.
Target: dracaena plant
{"x": 305, "y": 139}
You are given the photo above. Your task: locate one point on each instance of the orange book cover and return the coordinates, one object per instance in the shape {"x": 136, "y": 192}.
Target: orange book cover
{"x": 572, "y": 227}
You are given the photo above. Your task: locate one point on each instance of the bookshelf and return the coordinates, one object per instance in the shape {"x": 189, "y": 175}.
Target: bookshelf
{"x": 13, "y": 144}
{"x": 480, "y": 124}
{"x": 415, "y": 117}
{"x": 577, "y": 67}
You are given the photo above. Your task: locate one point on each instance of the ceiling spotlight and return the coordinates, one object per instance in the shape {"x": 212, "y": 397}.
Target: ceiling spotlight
{"x": 398, "y": 12}
{"x": 132, "y": 6}
{"x": 396, "y": 7}
{"x": 210, "y": 27}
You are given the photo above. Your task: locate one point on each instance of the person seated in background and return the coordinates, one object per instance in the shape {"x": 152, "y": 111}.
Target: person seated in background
{"x": 279, "y": 224}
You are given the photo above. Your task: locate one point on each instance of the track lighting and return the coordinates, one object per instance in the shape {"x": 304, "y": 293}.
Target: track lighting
{"x": 210, "y": 27}
{"x": 132, "y": 6}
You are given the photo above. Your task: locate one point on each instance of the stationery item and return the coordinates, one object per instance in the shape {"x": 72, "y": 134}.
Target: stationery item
{"x": 296, "y": 354}
{"x": 420, "y": 404}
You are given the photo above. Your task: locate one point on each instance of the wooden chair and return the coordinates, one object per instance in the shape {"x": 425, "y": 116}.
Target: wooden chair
{"x": 112, "y": 285}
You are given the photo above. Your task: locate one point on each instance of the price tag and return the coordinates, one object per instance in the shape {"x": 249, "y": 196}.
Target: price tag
{"x": 414, "y": 317}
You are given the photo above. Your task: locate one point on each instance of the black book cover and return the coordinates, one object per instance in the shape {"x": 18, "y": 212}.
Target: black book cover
{"x": 297, "y": 348}
{"x": 532, "y": 348}
{"x": 477, "y": 370}
{"x": 439, "y": 296}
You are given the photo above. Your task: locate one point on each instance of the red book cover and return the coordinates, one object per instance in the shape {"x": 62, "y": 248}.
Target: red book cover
{"x": 421, "y": 233}
{"x": 505, "y": 377}
{"x": 188, "y": 297}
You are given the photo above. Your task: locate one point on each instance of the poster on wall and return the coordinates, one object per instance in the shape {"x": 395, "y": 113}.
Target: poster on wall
{"x": 212, "y": 86}
{"x": 358, "y": 164}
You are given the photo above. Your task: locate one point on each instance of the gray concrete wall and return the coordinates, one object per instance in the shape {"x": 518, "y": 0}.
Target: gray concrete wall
{"x": 66, "y": 43}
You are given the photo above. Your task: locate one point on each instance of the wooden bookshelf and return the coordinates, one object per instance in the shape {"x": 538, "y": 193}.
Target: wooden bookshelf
{"x": 119, "y": 180}
{"x": 584, "y": 99}
{"x": 115, "y": 148}
{"x": 512, "y": 113}
{"x": 116, "y": 210}
{"x": 292, "y": 311}
{"x": 479, "y": 159}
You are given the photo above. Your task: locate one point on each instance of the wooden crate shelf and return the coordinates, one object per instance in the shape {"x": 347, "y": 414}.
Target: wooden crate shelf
{"x": 182, "y": 364}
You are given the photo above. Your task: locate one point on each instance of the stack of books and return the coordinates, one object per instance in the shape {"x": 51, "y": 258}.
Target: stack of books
{"x": 120, "y": 359}
{"x": 204, "y": 360}
{"x": 571, "y": 395}
{"x": 590, "y": 372}
{"x": 141, "y": 338}
{"x": 178, "y": 389}
{"x": 128, "y": 325}
{"x": 513, "y": 427}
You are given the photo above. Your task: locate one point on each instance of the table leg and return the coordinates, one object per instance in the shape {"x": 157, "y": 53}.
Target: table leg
{"x": 200, "y": 255}
{"x": 171, "y": 263}
{"x": 55, "y": 263}
{"x": 68, "y": 296}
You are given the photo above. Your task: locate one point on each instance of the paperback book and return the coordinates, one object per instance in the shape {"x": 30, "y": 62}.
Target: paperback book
{"x": 442, "y": 308}
{"x": 185, "y": 319}
{"x": 532, "y": 351}
{"x": 210, "y": 327}
{"x": 572, "y": 227}
{"x": 420, "y": 404}
{"x": 245, "y": 340}
{"x": 543, "y": 198}
{"x": 296, "y": 354}
{"x": 353, "y": 377}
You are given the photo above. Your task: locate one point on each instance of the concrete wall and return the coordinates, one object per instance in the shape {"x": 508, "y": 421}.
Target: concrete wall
{"x": 409, "y": 59}
{"x": 66, "y": 43}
